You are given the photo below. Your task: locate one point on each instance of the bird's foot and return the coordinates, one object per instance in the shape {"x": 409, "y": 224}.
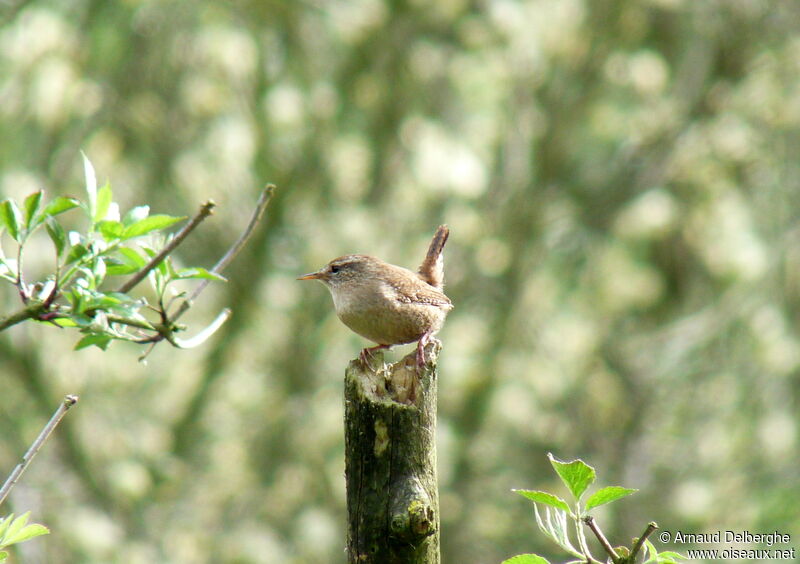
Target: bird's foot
{"x": 367, "y": 354}
{"x": 424, "y": 340}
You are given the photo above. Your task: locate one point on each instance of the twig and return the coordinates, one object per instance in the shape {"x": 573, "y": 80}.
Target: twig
{"x": 68, "y": 402}
{"x": 165, "y": 329}
{"x": 261, "y": 206}
{"x": 589, "y": 520}
{"x": 30, "y": 311}
{"x": 23, "y": 292}
{"x": 205, "y": 210}
{"x": 651, "y": 526}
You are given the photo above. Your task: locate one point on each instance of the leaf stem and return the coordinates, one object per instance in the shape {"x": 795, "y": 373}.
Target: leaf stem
{"x": 15, "y": 475}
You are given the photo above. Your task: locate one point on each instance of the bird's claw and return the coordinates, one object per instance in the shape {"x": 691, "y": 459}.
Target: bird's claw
{"x": 426, "y": 338}
{"x": 367, "y": 354}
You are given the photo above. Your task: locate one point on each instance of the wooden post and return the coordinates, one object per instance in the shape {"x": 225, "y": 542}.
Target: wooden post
{"x": 390, "y": 461}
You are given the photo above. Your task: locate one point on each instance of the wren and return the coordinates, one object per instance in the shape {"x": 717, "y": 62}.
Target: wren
{"x": 387, "y": 304}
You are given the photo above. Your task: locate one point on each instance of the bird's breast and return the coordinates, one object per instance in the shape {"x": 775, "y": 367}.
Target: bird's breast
{"x": 375, "y": 313}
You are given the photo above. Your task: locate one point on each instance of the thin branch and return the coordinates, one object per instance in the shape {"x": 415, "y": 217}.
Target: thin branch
{"x": 589, "y": 520}
{"x": 167, "y": 323}
{"x": 23, "y": 292}
{"x": 15, "y": 475}
{"x": 31, "y": 311}
{"x": 261, "y": 206}
{"x": 651, "y": 526}
{"x": 166, "y": 329}
{"x": 151, "y": 345}
{"x": 37, "y": 310}
{"x": 205, "y": 210}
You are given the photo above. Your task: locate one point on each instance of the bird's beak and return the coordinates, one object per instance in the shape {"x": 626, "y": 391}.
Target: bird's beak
{"x": 312, "y": 276}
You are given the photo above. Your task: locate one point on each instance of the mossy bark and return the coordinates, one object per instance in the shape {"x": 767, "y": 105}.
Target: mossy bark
{"x": 390, "y": 461}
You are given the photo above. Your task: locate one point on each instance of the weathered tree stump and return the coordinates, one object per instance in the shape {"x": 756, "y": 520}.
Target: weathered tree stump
{"x": 390, "y": 461}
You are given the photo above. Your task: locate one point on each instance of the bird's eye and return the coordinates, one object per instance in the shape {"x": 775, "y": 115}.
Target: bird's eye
{"x": 335, "y": 268}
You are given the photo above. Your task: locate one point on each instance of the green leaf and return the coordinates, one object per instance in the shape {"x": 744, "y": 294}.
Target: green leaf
{"x": 3, "y": 555}
{"x": 151, "y": 223}
{"x": 132, "y": 257}
{"x": 544, "y": 497}
{"x": 4, "y": 523}
{"x": 75, "y": 297}
{"x": 136, "y": 214}
{"x": 555, "y": 525}
{"x": 77, "y": 319}
{"x": 116, "y": 268}
{"x": 670, "y": 557}
{"x": 99, "y": 340}
{"x": 111, "y": 230}
{"x": 6, "y": 273}
{"x": 16, "y": 526}
{"x": 199, "y": 273}
{"x": 32, "y": 205}
{"x": 99, "y": 270}
{"x": 666, "y": 557}
{"x": 607, "y": 495}
{"x": 76, "y": 253}
{"x": 164, "y": 268}
{"x": 526, "y": 559}
{"x": 65, "y": 322}
{"x": 121, "y": 303}
{"x": 91, "y": 186}
{"x": 17, "y": 530}
{"x": 27, "y": 533}
{"x": 12, "y": 217}
{"x": 576, "y": 474}
{"x": 57, "y": 234}
{"x": 104, "y": 197}
{"x": 60, "y": 205}
{"x": 103, "y": 301}
{"x": 128, "y": 262}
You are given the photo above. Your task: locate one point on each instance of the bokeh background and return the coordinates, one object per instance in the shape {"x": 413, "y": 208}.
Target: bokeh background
{"x": 622, "y": 182}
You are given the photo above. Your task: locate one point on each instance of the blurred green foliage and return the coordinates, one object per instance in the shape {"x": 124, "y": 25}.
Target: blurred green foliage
{"x": 621, "y": 182}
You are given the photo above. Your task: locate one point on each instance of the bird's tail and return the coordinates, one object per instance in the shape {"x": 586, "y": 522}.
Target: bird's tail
{"x": 432, "y": 268}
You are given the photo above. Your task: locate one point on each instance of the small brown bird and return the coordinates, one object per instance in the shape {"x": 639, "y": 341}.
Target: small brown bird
{"x": 388, "y": 304}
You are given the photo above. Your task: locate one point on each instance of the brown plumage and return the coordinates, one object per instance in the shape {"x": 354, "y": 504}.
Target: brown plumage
{"x": 432, "y": 268}
{"x": 388, "y": 304}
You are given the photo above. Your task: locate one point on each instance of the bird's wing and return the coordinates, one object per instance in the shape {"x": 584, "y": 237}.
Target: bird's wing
{"x": 433, "y": 297}
{"x": 423, "y": 294}
{"x": 407, "y": 288}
